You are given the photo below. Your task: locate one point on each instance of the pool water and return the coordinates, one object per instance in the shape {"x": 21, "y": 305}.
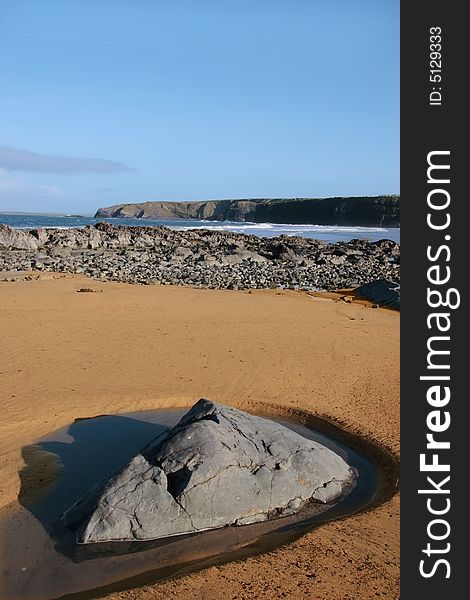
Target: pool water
{"x": 41, "y": 560}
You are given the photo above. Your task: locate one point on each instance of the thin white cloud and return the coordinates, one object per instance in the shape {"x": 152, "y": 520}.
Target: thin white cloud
{"x": 101, "y": 190}
{"x": 16, "y": 159}
{"x": 52, "y": 190}
{"x": 10, "y": 183}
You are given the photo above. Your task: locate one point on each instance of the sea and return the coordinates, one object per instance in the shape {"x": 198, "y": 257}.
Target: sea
{"x": 326, "y": 233}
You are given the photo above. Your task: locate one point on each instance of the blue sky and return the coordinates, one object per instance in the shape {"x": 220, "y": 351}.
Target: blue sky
{"x": 111, "y": 101}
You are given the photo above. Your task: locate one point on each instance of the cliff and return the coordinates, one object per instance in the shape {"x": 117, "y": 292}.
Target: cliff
{"x": 366, "y": 211}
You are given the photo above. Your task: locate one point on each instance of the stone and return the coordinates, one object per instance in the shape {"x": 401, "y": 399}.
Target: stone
{"x": 338, "y": 260}
{"x": 240, "y": 255}
{"x": 381, "y": 292}
{"x": 282, "y": 252}
{"x": 16, "y": 239}
{"x": 183, "y": 251}
{"x": 218, "y": 466}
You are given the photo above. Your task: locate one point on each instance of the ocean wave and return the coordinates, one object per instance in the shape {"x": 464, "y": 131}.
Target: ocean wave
{"x": 232, "y": 227}
{"x": 283, "y": 227}
{"x": 29, "y": 227}
{"x": 327, "y": 233}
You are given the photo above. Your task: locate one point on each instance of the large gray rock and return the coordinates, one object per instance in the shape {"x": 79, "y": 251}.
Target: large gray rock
{"x": 218, "y": 466}
{"x": 16, "y": 239}
{"x": 240, "y": 255}
{"x": 381, "y": 291}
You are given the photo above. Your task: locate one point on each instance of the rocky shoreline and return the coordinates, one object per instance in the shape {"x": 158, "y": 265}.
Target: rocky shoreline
{"x": 201, "y": 258}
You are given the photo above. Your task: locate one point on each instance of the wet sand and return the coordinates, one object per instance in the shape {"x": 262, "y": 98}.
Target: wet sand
{"x": 68, "y": 355}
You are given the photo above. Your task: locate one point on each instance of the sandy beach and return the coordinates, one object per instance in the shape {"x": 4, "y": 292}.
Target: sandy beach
{"x": 68, "y": 355}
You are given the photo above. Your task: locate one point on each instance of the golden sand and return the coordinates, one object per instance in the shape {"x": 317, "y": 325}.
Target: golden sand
{"x": 66, "y": 355}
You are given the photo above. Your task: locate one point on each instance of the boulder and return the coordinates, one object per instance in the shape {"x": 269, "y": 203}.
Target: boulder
{"x": 183, "y": 251}
{"x": 41, "y": 234}
{"x": 218, "y": 466}
{"x": 381, "y": 291}
{"x": 16, "y": 239}
{"x": 240, "y": 255}
{"x": 282, "y": 252}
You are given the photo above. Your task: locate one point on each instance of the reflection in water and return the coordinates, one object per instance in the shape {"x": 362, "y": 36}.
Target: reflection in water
{"x": 87, "y": 452}
{"x": 39, "y": 475}
{"x": 42, "y": 562}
